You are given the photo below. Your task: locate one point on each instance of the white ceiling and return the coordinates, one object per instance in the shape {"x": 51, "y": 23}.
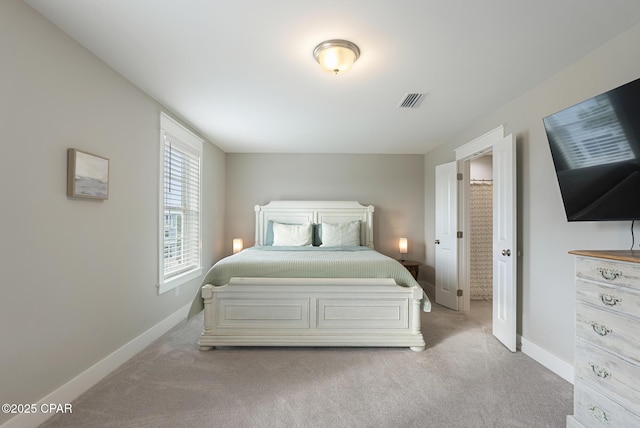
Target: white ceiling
{"x": 242, "y": 72}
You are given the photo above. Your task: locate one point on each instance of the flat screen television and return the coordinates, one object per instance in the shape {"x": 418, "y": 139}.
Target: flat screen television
{"x": 595, "y": 147}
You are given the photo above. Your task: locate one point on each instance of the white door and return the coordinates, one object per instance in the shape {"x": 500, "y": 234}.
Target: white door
{"x": 504, "y": 242}
{"x": 446, "y": 244}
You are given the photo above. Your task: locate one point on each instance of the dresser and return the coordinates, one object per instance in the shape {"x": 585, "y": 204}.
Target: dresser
{"x": 607, "y": 352}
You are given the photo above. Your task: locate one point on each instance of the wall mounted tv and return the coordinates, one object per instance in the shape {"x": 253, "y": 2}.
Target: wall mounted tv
{"x": 595, "y": 147}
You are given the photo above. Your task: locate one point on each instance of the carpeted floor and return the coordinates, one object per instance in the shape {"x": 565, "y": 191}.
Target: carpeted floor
{"x": 465, "y": 378}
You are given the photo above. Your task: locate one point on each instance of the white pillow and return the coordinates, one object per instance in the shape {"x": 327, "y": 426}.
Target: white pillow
{"x": 296, "y": 235}
{"x": 341, "y": 234}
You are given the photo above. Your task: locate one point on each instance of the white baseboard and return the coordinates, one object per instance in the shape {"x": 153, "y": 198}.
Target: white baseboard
{"x": 94, "y": 374}
{"x": 547, "y": 359}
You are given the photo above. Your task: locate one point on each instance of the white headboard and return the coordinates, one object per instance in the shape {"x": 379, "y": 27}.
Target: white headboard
{"x": 300, "y": 212}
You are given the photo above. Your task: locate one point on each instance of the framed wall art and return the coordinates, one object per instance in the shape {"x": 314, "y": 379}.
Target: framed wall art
{"x": 87, "y": 175}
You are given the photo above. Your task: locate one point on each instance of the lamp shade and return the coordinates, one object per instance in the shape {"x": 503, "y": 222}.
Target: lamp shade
{"x": 237, "y": 245}
{"x": 336, "y": 56}
{"x": 403, "y": 245}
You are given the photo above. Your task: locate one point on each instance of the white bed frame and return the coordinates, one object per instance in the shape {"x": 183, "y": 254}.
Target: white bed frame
{"x": 312, "y": 311}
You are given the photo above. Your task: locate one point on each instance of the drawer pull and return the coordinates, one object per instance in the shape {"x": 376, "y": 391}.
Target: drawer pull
{"x": 609, "y": 274}
{"x": 600, "y": 371}
{"x": 598, "y": 413}
{"x": 609, "y": 300}
{"x": 600, "y": 329}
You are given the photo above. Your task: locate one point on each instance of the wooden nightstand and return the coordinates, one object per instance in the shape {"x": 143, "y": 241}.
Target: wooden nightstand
{"x": 412, "y": 266}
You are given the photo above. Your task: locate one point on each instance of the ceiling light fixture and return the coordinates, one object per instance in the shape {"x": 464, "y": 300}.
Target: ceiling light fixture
{"x": 336, "y": 56}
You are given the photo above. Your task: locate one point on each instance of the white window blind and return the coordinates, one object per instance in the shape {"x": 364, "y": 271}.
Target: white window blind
{"x": 180, "y": 205}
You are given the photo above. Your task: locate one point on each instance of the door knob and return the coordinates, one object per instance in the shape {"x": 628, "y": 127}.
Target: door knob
{"x": 437, "y": 241}
{"x": 506, "y": 253}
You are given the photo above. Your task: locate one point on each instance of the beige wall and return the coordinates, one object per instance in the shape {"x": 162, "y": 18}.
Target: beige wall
{"x": 78, "y": 277}
{"x": 546, "y": 290}
{"x": 392, "y": 183}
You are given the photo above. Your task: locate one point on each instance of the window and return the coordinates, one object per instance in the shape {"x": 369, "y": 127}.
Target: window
{"x": 180, "y": 160}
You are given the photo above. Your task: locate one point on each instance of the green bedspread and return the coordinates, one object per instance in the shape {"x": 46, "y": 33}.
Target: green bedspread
{"x": 308, "y": 262}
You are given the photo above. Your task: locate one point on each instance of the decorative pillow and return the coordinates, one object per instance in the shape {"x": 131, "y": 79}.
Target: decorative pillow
{"x": 269, "y": 236}
{"x": 297, "y": 235}
{"x": 341, "y": 234}
{"x": 317, "y": 235}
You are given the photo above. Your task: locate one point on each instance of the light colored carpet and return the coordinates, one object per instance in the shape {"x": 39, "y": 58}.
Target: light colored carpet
{"x": 465, "y": 378}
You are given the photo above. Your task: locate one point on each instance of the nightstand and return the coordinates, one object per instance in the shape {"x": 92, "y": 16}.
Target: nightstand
{"x": 412, "y": 266}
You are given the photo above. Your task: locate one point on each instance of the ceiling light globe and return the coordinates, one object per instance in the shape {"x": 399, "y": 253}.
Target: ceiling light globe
{"x": 336, "y": 56}
{"x": 336, "y": 60}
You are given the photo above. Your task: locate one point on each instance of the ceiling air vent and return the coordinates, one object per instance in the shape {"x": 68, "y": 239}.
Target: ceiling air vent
{"x": 411, "y": 101}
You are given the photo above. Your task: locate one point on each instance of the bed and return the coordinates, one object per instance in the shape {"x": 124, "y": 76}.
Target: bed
{"x": 328, "y": 289}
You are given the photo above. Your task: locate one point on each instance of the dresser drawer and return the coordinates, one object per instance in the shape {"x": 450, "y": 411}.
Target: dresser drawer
{"x": 610, "y": 330}
{"x": 609, "y": 272}
{"x": 594, "y": 410}
{"x": 609, "y": 374}
{"x": 621, "y": 300}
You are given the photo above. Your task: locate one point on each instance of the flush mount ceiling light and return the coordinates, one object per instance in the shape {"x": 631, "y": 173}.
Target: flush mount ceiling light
{"x": 336, "y": 56}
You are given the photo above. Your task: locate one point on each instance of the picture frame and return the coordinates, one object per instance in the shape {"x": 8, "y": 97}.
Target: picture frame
{"x": 87, "y": 175}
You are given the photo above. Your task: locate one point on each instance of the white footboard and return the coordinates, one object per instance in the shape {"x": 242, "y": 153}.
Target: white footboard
{"x": 311, "y": 312}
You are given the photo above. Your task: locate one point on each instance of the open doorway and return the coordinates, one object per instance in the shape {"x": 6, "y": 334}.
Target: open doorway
{"x": 480, "y": 229}
{"x": 453, "y": 260}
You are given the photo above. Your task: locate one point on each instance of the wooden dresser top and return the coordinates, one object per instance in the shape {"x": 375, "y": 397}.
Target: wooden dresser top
{"x": 632, "y": 256}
